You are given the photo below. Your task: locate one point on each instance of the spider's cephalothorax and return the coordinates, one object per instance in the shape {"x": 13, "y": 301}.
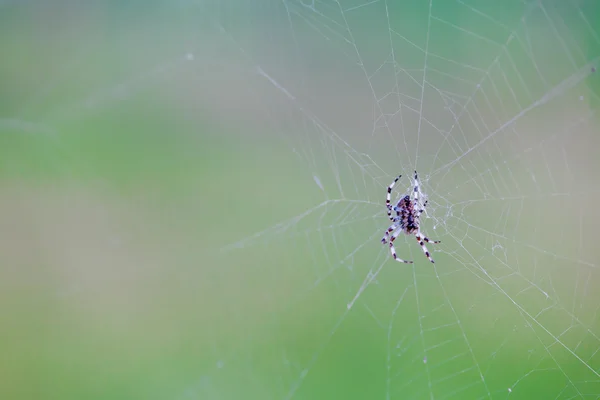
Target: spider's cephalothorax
{"x": 406, "y": 219}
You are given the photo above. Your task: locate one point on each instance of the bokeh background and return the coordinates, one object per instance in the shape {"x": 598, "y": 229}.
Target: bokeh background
{"x": 192, "y": 199}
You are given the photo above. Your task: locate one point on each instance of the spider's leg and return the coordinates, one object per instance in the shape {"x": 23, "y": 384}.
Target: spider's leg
{"x": 386, "y": 236}
{"x": 388, "y": 198}
{"x": 422, "y": 239}
{"x": 416, "y": 188}
{"x": 422, "y": 210}
{"x": 398, "y": 217}
{"x": 417, "y": 195}
{"x": 393, "y": 250}
{"x": 426, "y": 239}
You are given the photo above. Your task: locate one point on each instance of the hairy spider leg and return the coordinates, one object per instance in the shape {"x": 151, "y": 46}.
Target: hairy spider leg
{"x": 388, "y": 198}
{"x": 393, "y": 249}
{"x": 416, "y": 190}
{"x": 426, "y": 239}
{"x": 422, "y": 239}
{"x": 386, "y": 236}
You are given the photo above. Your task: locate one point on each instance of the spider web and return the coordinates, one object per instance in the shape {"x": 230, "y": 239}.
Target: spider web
{"x": 493, "y": 103}
{"x": 495, "y": 106}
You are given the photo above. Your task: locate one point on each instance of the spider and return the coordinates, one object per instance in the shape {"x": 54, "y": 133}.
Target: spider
{"x": 407, "y": 219}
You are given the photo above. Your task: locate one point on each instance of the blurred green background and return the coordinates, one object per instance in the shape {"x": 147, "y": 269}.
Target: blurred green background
{"x": 192, "y": 199}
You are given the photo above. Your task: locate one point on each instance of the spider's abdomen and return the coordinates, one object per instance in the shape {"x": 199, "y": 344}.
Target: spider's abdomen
{"x": 406, "y": 216}
{"x": 411, "y": 225}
